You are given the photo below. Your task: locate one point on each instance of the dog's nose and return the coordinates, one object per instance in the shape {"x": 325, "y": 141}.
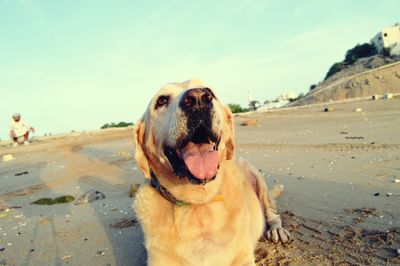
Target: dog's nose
{"x": 196, "y": 99}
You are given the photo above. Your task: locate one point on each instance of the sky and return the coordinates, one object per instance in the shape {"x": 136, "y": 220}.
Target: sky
{"x": 76, "y": 65}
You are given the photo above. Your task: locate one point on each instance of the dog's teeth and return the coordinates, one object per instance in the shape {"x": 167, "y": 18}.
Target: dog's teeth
{"x": 212, "y": 146}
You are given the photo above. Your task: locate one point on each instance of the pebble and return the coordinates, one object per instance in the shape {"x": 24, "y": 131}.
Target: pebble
{"x": 66, "y": 257}
{"x": 389, "y": 194}
{"x": 397, "y": 180}
{"x": 376, "y": 194}
{"x": 100, "y": 253}
{"x": 8, "y": 157}
{"x": 20, "y": 225}
{"x": 398, "y": 251}
{"x": 5, "y": 210}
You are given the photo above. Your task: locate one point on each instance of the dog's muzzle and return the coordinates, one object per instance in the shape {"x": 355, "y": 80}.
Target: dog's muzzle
{"x": 195, "y": 155}
{"x": 196, "y": 100}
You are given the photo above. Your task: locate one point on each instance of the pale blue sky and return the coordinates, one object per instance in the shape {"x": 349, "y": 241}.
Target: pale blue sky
{"x": 74, "y": 65}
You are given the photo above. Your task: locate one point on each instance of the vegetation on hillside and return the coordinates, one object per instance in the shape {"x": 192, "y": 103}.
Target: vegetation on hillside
{"x": 301, "y": 95}
{"x": 120, "y": 124}
{"x": 386, "y": 51}
{"x": 336, "y": 67}
{"x": 360, "y": 51}
{"x": 352, "y": 55}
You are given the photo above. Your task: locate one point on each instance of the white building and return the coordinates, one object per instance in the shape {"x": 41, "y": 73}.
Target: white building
{"x": 272, "y": 105}
{"x": 279, "y": 102}
{"x": 387, "y": 38}
{"x": 287, "y": 96}
{"x": 395, "y": 49}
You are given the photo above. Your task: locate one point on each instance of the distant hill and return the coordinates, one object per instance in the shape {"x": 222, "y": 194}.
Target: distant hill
{"x": 375, "y": 75}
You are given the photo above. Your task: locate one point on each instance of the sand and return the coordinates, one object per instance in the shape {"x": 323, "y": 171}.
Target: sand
{"x": 331, "y": 163}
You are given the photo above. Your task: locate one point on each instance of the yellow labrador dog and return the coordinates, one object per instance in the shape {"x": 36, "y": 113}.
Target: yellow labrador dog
{"x": 201, "y": 206}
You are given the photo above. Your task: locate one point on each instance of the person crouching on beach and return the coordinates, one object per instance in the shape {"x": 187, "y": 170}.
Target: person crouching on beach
{"x": 19, "y": 129}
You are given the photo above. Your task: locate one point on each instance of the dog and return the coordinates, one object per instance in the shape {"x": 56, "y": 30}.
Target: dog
{"x": 201, "y": 206}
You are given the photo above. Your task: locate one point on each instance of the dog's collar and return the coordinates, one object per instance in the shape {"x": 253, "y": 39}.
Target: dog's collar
{"x": 164, "y": 192}
{"x": 168, "y": 196}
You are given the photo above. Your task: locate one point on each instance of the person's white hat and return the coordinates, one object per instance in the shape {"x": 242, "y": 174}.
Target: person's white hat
{"x": 16, "y": 115}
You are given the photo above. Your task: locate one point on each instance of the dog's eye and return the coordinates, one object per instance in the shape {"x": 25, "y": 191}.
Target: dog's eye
{"x": 162, "y": 100}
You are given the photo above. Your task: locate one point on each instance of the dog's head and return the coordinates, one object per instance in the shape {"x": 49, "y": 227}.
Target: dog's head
{"x": 184, "y": 137}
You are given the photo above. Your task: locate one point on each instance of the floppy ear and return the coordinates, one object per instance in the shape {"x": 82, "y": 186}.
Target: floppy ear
{"x": 140, "y": 156}
{"x": 230, "y": 142}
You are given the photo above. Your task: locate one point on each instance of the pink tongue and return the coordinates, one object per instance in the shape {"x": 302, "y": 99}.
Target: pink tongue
{"x": 201, "y": 160}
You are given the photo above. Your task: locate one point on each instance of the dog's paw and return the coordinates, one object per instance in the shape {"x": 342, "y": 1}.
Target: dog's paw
{"x": 276, "y": 232}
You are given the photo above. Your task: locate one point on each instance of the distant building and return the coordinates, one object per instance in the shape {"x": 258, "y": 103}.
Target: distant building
{"x": 272, "y": 105}
{"x": 387, "y": 38}
{"x": 279, "y": 102}
{"x": 249, "y": 97}
{"x": 287, "y": 96}
{"x": 395, "y": 50}
{"x": 253, "y": 104}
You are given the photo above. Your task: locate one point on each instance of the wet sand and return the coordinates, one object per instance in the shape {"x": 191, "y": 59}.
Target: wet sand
{"x": 331, "y": 163}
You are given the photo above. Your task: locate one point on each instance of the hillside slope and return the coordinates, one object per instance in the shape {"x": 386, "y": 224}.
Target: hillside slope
{"x": 376, "y": 81}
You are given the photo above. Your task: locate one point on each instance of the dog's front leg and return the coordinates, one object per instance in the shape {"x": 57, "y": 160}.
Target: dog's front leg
{"x": 275, "y": 231}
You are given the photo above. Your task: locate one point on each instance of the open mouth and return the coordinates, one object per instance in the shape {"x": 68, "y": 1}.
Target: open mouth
{"x": 196, "y": 156}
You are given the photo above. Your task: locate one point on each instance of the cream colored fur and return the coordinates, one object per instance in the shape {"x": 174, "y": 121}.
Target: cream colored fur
{"x": 206, "y": 232}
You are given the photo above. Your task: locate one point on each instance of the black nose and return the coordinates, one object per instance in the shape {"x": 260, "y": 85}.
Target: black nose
{"x": 196, "y": 100}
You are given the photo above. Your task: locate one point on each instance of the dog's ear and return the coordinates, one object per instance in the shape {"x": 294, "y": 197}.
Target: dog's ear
{"x": 230, "y": 142}
{"x": 140, "y": 155}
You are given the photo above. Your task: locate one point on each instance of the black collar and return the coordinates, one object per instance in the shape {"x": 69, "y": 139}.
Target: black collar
{"x": 164, "y": 192}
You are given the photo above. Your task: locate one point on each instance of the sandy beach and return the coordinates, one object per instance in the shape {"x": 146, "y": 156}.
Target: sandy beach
{"x": 340, "y": 203}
